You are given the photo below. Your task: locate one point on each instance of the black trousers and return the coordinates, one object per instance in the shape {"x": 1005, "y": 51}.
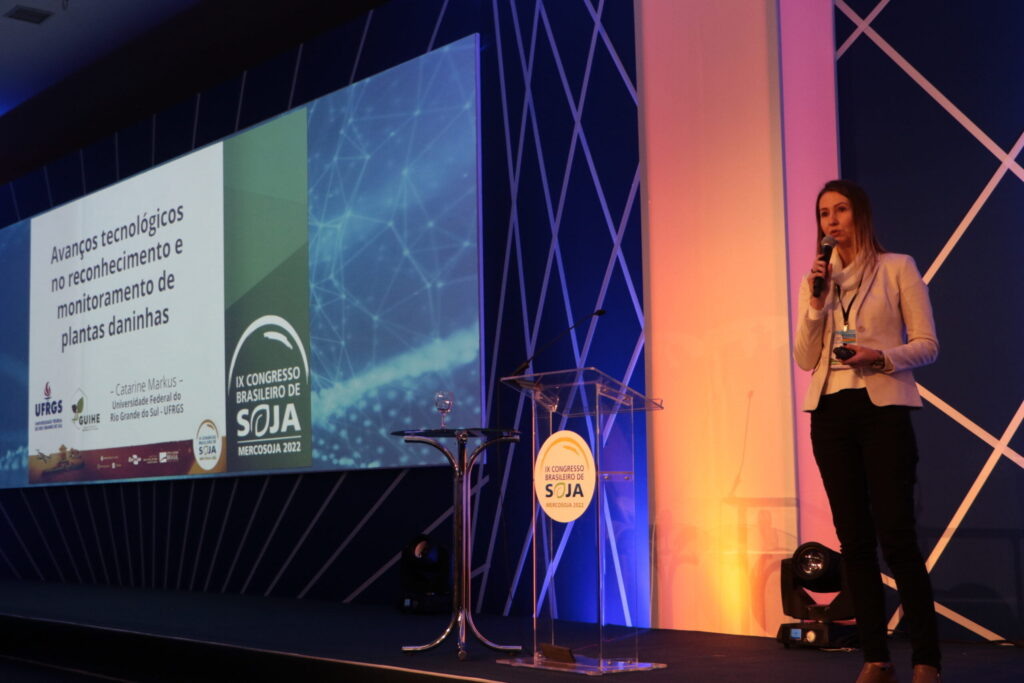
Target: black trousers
{"x": 867, "y": 456}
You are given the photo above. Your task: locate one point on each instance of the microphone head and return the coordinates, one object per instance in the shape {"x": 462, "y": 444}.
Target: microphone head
{"x": 828, "y": 241}
{"x": 601, "y": 311}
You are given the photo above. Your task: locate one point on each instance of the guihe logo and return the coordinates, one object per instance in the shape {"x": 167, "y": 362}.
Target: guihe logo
{"x": 82, "y": 419}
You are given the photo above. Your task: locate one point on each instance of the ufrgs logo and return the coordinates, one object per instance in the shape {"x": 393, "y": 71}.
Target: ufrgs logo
{"x": 48, "y": 406}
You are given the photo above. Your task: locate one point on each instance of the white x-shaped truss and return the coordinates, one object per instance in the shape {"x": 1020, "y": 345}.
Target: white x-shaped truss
{"x": 1007, "y": 164}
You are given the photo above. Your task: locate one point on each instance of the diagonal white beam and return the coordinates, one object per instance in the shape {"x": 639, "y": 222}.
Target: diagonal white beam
{"x": 552, "y": 569}
{"x": 944, "y": 611}
{"x": 616, "y": 559}
{"x": 524, "y": 553}
{"x": 81, "y": 538}
{"x": 618, "y": 257}
{"x": 220, "y": 536}
{"x": 127, "y": 539}
{"x": 990, "y": 187}
{"x": 500, "y": 505}
{"x": 970, "y": 426}
{"x": 202, "y": 534}
{"x": 391, "y": 561}
{"x": 273, "y": 531}
{"x": 367, "y": 516}
{"x": 362, "y": 42}
{"x": 24, "y": 548}
{"x": 976, "y": 487}
{"x": 96, "y": 534}
{"x": 998, "y": 451}
{"x": 528, "y": 113}
{"x": 967, "y": 623}
{"x": 437, "y": 25}
{"x": 932, "y": 91}
{"x": 595, "y": 14}
{"x": 113, "y": 540}
{"x": 241, "y": 543}
{"x": 40, "y": 535}
{"x": 579, "y": 140}
{"x": 857, "y": 32}
{"x": 309, "y": 529}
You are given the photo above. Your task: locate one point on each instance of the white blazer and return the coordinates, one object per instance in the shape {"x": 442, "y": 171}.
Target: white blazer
{"x": 893, "y": 315}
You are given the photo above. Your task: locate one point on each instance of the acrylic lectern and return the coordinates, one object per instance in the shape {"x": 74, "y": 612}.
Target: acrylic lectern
{"x": 586, "y": 544}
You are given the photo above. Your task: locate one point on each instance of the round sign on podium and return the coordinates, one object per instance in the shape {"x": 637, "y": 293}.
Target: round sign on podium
{"x": 564, "y": 476}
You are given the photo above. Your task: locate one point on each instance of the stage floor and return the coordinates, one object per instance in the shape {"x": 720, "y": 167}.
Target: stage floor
{"x": 54, "y": 632}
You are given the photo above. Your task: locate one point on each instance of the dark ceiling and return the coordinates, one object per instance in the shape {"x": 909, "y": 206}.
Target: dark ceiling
{"x": 94, "y": 67}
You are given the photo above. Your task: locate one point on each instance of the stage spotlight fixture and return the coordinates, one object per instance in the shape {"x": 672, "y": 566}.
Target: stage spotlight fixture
{"x": 819, "y": 569}
{"x": 426, "y": 577}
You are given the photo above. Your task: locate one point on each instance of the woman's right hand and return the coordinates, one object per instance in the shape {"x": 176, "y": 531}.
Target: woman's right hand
{"x": 819, "y": 269}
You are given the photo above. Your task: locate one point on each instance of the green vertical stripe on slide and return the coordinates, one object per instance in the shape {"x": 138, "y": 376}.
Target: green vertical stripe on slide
{"x": 266, "y": 281}
{"x": 265, "y": 190}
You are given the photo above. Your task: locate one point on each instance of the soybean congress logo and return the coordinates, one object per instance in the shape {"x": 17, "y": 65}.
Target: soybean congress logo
{"x": 564, "y": 476}
{"x": 205, "y": 446}
{"x": 268, "y": 379}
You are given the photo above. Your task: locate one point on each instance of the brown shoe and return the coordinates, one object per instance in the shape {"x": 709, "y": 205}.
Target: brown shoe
{"x": 924, "y": 673}
{"x": 878, "y": 672}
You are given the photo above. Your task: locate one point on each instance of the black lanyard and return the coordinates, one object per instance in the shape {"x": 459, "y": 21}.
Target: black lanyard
{"x": 845, "y": 309}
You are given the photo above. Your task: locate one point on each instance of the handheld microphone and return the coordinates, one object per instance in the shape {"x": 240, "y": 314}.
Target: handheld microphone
{"x": 827, "y": 244}
{"x": 526, "y": 363}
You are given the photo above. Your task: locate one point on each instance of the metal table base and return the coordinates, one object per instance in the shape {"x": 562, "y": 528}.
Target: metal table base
{"x": 462, "y": 465}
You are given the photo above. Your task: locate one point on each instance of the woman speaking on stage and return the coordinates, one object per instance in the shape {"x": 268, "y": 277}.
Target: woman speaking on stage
{"x": 865, "y": 322}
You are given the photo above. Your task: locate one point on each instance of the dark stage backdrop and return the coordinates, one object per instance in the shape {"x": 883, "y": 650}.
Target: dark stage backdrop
{"x": 931, "y": 113}
{"x": 561, "y": 238}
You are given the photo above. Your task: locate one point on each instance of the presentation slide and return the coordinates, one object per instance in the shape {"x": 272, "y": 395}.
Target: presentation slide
{"x": 125, "y": 306}
{"x": 280, "y": 300}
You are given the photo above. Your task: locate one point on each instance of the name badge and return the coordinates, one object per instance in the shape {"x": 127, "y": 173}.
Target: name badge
{"x": 841, "y": 337}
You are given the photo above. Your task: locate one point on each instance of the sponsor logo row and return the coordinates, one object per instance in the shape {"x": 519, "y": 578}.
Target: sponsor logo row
{"x": 49, "y": 413}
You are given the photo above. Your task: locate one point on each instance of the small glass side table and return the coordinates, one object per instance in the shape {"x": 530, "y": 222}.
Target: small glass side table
{"x": 462, "y": 464}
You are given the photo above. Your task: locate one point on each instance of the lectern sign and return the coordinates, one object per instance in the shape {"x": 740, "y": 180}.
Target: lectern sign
{"x": 564, "y": 476}
{"x": 598, "y": 576}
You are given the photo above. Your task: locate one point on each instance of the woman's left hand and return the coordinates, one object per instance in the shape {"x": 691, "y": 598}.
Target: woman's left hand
{"x": 863, "y": 358}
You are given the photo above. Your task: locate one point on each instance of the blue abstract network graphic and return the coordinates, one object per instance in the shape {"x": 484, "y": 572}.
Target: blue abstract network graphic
{"x": 394, "y": 258}
{"x": 14, "y": 245}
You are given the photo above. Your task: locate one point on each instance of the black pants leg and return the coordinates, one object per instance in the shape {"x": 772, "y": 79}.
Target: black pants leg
{"x": 867, "y": 456}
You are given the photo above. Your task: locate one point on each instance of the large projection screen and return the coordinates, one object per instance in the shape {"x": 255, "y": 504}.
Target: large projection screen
{"x": 279, "y": 300}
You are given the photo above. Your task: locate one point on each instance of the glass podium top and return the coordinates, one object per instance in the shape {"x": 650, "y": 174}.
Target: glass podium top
{"x": 580, "y": 392}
